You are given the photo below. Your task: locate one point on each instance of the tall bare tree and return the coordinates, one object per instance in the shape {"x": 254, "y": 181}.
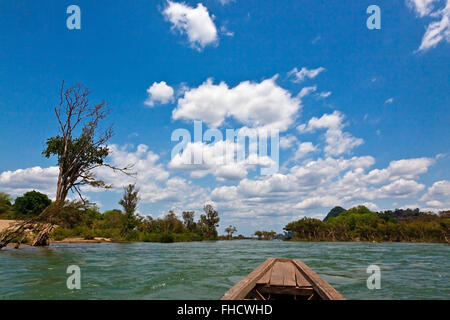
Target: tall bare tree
{"x": 80, "y": 150}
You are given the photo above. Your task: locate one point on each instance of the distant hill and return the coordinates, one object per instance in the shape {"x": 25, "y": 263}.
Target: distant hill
{"x": 334, "y": 213}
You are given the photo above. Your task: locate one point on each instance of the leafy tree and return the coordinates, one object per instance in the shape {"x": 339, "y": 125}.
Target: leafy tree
{"x": 230, "y": 230}
{"x": 5, "y": 203}
{"x": 188, "y": 220}
{"x": 79, "y": 150}
{"x": 172, "y": 223}
{"x": 334, "y": 213}
{"x": 31, "y": 203}
{"x": 259, "y": 234}
{"x": 129, "y": 204}
{"x": 209, "y": 222}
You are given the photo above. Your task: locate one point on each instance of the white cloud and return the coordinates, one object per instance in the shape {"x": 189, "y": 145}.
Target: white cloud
{"x": 422, "y": 7}
{"x": 304, "y": 73}
{"x": 226, "y": 32}
{"x": 370, "y": 205}
{"x": 333, "y": 120}
{"x": 316, "y": 202}
{"x": 287, "y": 141}
{"x": 439, "y": 190}
{"x": 306, "y": 91}
{"x": 401, "y": 189}
{"x": 324, "y": 95}
{"x": 405, "y": 168}
{"x": 303, "y": 149}
{"x": 159, "y": 92}
{"x": 195, "y": 22}
{"x": 219, "y": 159}
{"x": 438, "y": 30}
{"x": 263, "y": 104}
{"x": 36, "y": 178}
{"x": 434, "y": 203}
{"x": 389, "y": 101}
{"x": 338, "y": 142}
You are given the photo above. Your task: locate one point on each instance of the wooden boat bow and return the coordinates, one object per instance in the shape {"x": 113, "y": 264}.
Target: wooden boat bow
{"x": 280, "y": 278}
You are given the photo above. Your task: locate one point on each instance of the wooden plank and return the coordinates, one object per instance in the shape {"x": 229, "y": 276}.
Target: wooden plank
{"x": 265, "y": 279}
{"x": 300, "y": 279}
{"x": 322, "y": 288}
{"x": 240, "y": 290}
{"x": 289, "y": 276}
{"x": 293, "y": 291}
{"x": 277, "y": 277}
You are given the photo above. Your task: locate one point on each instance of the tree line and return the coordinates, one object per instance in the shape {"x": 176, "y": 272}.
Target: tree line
{"x": 82, "y": 219}
{"x": 361, "y": 224}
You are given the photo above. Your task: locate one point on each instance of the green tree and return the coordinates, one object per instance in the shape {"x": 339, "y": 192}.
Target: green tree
{"x": 129, "y": 204}
{"x": 31, "y": 203}
{"x": 5, "y": 203}
{"x": 334, "y": 213}
{"x": 209, "y": 222}
{"x": 188, "y": 220}
{"x": 259, "y": 234}
{"x": 230, "y": 230}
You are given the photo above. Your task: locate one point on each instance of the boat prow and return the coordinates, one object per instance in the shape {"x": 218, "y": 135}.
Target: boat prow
{"x": 279, "y": 278}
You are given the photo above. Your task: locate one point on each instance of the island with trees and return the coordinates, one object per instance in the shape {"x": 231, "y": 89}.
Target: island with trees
{"x": 361, "y": 224}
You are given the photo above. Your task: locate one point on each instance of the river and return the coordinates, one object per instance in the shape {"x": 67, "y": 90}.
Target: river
{"x": 205, "y": 270}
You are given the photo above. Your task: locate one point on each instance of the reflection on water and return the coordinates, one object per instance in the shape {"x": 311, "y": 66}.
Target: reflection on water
{"x": 205, "y": 270}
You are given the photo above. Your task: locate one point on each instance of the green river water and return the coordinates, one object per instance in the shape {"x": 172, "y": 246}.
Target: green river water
{"x": 205, "y": 270}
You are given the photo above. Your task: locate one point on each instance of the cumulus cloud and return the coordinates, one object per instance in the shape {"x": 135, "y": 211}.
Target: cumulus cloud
{"x": 219, "y": 159}
{"x": 316, "y": 202}
{"x": 439, "y": 190}
{"x": 438, "y": 30}
{"x": 401, "y": 189}
{"x": 256, "y": 104}
{"x": 389, "y": 101}
{"x": 195, "y": 22}
{"x": 338, "y": 142}
{"x": 36, "y": 178}
{"x": 325, "y": 183}
{"x": 305, "y": 73}
{"x": 405, "y": 168}
{"x": 159, "y": 92}
{"x": 287, "y": 141}
{"x": 303, "y": 149}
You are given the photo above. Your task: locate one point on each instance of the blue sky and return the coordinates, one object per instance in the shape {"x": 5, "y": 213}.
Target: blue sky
{"x": 373, "y": 128}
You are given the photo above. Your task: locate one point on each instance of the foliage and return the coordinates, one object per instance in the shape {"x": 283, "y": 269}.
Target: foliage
{"x": 230, "y": 230}
{"x": 265, "y": 235}
{"x": 31, "y": 203}
{"x": 84, "y": 220}
{"x": 361, "y": 224}
{"x": 209, "y": 222}
{"x": 129, "y": 204}
{"x": 334, "y": 213}
{"x": 6, "y": 207}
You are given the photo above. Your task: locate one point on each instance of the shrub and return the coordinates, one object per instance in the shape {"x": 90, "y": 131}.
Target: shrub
{"x": 32, "y": 203}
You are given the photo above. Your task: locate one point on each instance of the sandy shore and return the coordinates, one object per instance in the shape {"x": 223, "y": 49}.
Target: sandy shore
{"x": 5, "y": 224}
